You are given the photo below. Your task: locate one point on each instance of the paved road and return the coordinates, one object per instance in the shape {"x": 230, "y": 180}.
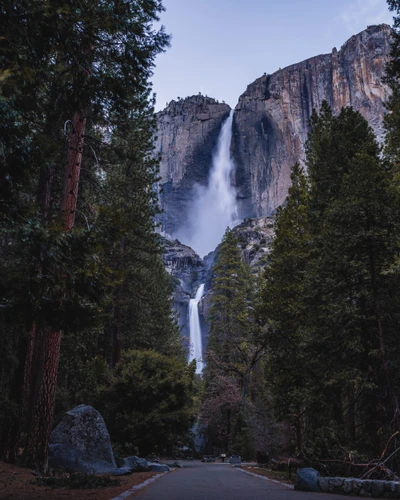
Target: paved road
{"x": 198, "y": 481}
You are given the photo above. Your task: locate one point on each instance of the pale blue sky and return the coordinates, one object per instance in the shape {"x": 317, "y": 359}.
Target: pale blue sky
{"x": 218, "y": 47}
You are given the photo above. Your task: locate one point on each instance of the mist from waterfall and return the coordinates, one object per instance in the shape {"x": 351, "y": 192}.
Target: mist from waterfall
{"x": 196, "y": 344}
{"x": 214, "y": 207}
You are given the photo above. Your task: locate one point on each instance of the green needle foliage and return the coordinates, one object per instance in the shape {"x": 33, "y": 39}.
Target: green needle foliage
{"x": 149, "y": 402}
{"x": 328, "y": 302}
{"x": 101, "y": 282}
{"x": 234, "y": 354}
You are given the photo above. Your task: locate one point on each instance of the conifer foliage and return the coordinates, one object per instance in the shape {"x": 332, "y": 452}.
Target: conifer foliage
{"x": 78, "y": 249}
{"x": 234, "y": 352}
{"x": 328, "y": 300}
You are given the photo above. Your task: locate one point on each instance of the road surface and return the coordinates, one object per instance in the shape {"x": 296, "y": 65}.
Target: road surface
{"x": 210, "y": 481}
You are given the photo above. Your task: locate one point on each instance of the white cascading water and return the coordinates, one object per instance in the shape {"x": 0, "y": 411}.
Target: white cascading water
{"x": 214, "y": 207}
{"x": 196, "y": 344}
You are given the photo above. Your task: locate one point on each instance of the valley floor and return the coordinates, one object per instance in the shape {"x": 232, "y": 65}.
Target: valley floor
{"x": 16, "y": 484}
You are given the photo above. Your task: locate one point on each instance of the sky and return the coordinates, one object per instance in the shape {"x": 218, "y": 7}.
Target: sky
{"x": 218, "y": 47}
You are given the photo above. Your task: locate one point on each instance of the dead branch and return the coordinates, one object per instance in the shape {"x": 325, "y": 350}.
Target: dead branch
{"x": 380, "y": 463}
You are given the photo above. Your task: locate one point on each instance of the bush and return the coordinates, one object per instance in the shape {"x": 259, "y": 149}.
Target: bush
{"x": 149, "y": 403}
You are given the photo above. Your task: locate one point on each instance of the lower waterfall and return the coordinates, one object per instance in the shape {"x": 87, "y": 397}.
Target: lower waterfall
{"x": 196, "y": 344}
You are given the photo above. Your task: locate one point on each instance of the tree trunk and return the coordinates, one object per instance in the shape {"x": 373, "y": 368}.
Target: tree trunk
{"x": 44, "y": 194}
{"x": 286, "y": 436}
{"x": 44, "y": 401}
{"x": 48, "y": 351}
{"x": 20, "y": 387}
{"x": 382, "y": 348}
{"x": 299, "y": 431}
{"x": 117, "y": 327}
{"x": 351, "y": 414}
{"x": 73, "y": 169}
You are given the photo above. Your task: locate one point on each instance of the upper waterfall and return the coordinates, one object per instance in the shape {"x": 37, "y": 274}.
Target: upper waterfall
{"x": 214, "y": 207}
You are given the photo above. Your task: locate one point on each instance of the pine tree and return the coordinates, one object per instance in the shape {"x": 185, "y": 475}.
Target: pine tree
{"x": 329, "y": 298}
{"x": 233, "y": 348}
{"x": 141, "y": 315}
{"x": 69, "y": 69}
{"x": 391, "y": 120}
{"x": 353, "y": 225}
{"x": 282, "y": 307}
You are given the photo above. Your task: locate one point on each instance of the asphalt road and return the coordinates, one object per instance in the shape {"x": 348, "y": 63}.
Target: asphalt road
{"x": 198, "y": 481}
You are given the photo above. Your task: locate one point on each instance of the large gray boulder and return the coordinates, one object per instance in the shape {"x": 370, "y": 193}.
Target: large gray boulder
{"x": 81, "y": 442}
{"x": 136, "y": 464}
{"x": 159, "y": 467}
{"x": 307, "y": 480}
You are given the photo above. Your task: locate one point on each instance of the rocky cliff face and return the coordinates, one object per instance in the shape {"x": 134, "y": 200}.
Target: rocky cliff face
{"x": 188, "y": 272}
{"x": 271, "y": 120}
{"x": 255, "y": 238}
{"x": 270, "y": 128}
{"x": 188, "y": 130}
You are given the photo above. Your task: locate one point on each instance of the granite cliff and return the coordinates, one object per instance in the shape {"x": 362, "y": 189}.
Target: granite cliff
{"x": 188, "y": 270}
{"x": 188, "y": 131}
{"x": 271, "y": 119}
{"x": 270, "y": 126}
{"x": 269, "y": 132}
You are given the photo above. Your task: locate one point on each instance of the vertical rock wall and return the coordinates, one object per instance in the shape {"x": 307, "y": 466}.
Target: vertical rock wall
{"x": 188, "y": 131}
{"x": 271, "y": 120}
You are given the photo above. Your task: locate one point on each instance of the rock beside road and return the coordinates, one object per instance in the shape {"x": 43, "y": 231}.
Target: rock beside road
{"x": 307, "y": 479}
{"x": 136, "y": 464}
{"x": 81, "y": 442}
{"x": 159, "y": 467}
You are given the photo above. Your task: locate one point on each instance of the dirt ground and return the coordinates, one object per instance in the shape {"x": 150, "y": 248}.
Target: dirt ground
{"x": 15, "y": 484}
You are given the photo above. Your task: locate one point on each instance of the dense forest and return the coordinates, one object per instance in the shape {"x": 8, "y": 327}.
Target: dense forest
{"x": 85, "y": 305}
{"x": 303, "y": 358}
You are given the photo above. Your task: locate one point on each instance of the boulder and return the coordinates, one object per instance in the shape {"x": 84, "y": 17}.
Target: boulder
{"x": 347, "y": 486}
{"x": 62, "y": 456}
{"x": 122, "y": 471}
{"x": 323, "y": 483}
{"x": 307, "y": 480}
{"x": 335, "y": 483}
{"x": 135, "y": 463}
{"x": 176, "y": 464}
{"x": 378, "y": 488}
{"x": 159, "y": 467}
{"x": 81, "y": 442}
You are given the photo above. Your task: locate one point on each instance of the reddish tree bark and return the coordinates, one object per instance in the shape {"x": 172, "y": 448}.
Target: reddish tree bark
{"x": 299, "y": 432}
{"x": 41, "y": 416}
{"x": 46, "y": 369}
{"x": 73, "y": 169}
{"x": 21, "y": 388}
{"x": 116, "y": 357}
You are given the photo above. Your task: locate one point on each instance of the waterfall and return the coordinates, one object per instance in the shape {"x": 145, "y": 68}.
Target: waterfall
{"x": 214, "y": 207}
{"x": 196, "y": 343}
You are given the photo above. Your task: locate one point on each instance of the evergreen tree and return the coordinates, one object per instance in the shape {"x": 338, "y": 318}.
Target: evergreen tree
{"x": 391, "y": 120}
{"x": 282, "y": 307}
{"x": 70, "y": 70}
{"x": 149, "y": 402}
{"x": 353, "y": 225}
{"x": 233, "y": 348}
{"x": 328, "y": 301}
